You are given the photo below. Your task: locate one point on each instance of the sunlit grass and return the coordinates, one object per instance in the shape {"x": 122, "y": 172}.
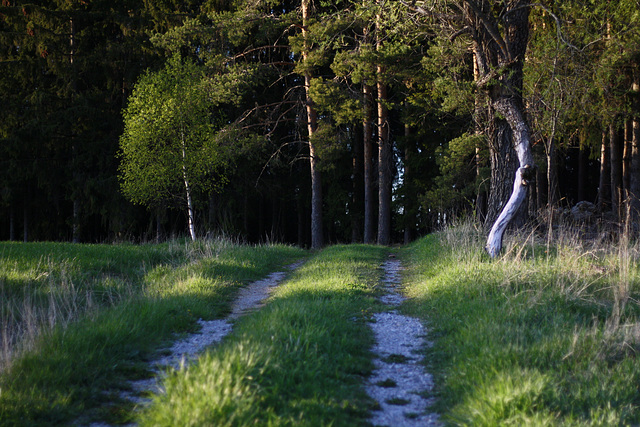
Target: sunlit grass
{"x": 116, "y": 306}
{"x": 545, "y": 335}
{"x": 300, "y": 360}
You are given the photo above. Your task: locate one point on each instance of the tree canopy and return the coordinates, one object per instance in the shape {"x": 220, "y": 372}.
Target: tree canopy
{"x": 310, "y": 121}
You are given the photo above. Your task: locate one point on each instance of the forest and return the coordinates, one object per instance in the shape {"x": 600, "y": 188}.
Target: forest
{"x": 314, "y": 121}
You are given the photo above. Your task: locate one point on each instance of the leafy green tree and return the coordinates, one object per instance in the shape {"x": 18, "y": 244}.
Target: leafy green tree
{"x": 169, "y": 148}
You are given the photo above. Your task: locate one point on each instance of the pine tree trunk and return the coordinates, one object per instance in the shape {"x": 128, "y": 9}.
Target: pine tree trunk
{"x": 616, "y": 171}
{"x": 480, "y": 114}
{"x": 604, "y": 185}
{"x": 385, "y": 158}
{"x": 369, "y": 199}
{"x": 634, "y": 165}
{"x": 312, "y": 125}
{"x": 356, "y": 208}
{"x": 582, "y": 169}
{"x": 504, "y": 163}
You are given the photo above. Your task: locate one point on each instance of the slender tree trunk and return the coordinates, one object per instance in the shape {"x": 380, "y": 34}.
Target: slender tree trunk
{"x": 312, "y": 125}
{"x": 12, "y": 224}
{"x": 356, "y": 209}
{"x": 582, "y": 169}
{"x": 187, "y": 187}
{"x": 552, "y": 171}
{"x": 634, "y": 166}
{"x": 626, "y": 159}
{"x": 479, "y": 118}
{"x": 369, "y": 199}
{"x": 616, "y": 171}
{"x": 604, "y": 186}
{"x": 385, "y": 158}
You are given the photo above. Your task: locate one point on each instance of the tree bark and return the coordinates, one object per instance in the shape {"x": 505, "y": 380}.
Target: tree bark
{"x": 500, "y": 61}
{"x": 187, "y": 187}
{"x": 604, "y": 185}
{"x": 312, "y": 125}
{"x": 369, "y": 199}
{"x": 356, "y": 208}
{"x": 480, "y": 115}
{"x": 616, "y": 171}
{"x": 634, "y": 165}
{"x": 513, "y": 112}
{"x": 385, "y": 158}
{"x": 582, "y": 169}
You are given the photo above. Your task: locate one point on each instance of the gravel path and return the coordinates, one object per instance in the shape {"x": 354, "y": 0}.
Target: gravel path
{"x": 187, "y": 350}
{"x": 399, "y": 381}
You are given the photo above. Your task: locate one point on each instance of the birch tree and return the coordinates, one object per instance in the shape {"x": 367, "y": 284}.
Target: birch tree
{"x": 169, "y": 149}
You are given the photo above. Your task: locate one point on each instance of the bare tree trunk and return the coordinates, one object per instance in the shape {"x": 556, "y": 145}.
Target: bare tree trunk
{"x": 369, "y": 200}
{"x": 604, "y": 186}
{"x": 552, "y": 171}
{"x": 511, "y": 109}
{"x": 616, "y": 171}
{"x": 187, "y": 187}
{"x": 634, "y": 167}
{"x": 385, "y": 158}
{"x": 356, "y": 208}
{"x": 582, "y": 169}
{"x": 312, "y": 125}
{"x": 504, "y": 163}
{"x": 480, "y": 116}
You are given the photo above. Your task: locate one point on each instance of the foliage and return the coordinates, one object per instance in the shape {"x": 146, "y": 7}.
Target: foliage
{"x": 169, "y": 136}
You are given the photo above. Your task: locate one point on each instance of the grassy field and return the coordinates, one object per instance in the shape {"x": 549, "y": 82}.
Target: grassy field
{"x": 545, "y": 335}
{"x": 79, "y": 319}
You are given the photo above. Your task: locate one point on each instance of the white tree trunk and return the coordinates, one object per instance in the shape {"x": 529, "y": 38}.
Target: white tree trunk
{"x": 187, "y": 187}
{"x": 512, "y": 112}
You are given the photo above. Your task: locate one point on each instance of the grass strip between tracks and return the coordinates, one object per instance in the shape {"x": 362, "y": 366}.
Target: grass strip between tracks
{"x": 300, "y": 360}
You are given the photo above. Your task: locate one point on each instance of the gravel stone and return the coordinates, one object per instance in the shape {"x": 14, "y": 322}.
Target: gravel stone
{"x": 399, "y": 339}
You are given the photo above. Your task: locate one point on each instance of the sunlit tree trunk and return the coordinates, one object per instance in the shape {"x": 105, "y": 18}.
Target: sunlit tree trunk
{"x": 634, "y": 163}
{"x": 312, "y": 125}
{"x": 369, "y": 196}
{"x": 187, "y": 187}
{"x": 385, "y": 158}
{"x": 604, "y": 185}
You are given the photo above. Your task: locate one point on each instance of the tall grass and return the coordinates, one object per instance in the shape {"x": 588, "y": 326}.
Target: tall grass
{"x": 545, "y": 335}
{"x": 85, "y": 318}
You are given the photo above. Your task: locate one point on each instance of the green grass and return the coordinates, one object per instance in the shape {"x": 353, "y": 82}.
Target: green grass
{"x": 301, "y": 360}
{"x": 545, "y": 335}
{"x": 164, "y": 289}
